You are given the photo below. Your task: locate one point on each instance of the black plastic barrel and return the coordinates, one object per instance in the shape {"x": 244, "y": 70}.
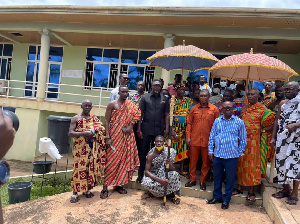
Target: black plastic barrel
{"x": 58, "y": 130}
{"x": 19, "y": 191}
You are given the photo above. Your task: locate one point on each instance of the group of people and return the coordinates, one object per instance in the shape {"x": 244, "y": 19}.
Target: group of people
{"x": 238, "y": 138}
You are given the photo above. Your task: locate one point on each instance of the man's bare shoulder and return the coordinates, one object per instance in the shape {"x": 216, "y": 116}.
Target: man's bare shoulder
{"x": 282, "y": 102}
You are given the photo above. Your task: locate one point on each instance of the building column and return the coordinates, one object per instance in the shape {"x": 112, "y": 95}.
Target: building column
{"x": 169, "y": 42}
{"x": 43, "y": 70}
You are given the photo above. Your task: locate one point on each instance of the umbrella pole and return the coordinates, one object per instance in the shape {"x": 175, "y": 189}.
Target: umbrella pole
{"x": 247, "y": 84}
{"x": 182, "y": 70}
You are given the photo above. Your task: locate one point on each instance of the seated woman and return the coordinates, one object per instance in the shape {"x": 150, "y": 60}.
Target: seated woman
{"x": 155, "y": 176}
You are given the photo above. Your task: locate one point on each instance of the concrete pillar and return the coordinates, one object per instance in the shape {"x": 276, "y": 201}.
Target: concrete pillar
{"x": 169, "y": 42}
{"x": 43, "y": 70}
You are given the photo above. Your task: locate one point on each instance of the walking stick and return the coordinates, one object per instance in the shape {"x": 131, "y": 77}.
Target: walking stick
{"x": 169, "y": 144}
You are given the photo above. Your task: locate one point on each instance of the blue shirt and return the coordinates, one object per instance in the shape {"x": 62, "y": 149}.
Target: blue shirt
{"x": 229, "y": 137}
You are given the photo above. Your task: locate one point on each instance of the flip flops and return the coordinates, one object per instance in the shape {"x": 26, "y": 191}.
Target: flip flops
{"x": 292, "y": 200}
{"x": 281, "y": 194}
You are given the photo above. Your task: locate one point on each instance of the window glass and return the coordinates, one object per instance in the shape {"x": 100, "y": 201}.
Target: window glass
{"x": 111, "y": 55}
{"x": 8, "y": 49}
{"x": 56, "y": 54}
{"x": 94, "y": 54}
{"x": 135, "y": 75}
{"x": 1, "y": 48}
{"x": 32, "y": 53}
{"x": 27, "y": 92}
{"x": 129, "y": 56}
{"x": 100, "y": 78}
{"x": 54, "y": 74}
{"x": 30, "y": 71}
{"x": 3, "y": 68}
{"x": 144, "y": 55}
{"x": 39, "y": 52}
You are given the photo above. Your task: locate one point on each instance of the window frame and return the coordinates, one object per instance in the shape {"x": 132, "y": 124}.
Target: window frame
{"x": 6, "y": 57}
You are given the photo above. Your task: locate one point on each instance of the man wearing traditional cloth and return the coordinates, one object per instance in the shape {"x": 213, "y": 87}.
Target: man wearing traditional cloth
{"x": 181, "y": 110}
{"x": 155, "y": 176}
{"x": 249, "y": 166}
{"x": 122, "y": 155}
{"x": 287, "y": 131}
{"x": 88, "y": 153}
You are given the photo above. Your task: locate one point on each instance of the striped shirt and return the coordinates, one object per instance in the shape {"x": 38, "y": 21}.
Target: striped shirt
{"x": 229, "y": 137}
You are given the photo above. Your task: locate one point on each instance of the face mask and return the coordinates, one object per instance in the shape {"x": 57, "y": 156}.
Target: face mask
{"x": 167, "y": 96}
{"x": 223, "y": 84}
{"x": 242, "y": 93}
{"x": 216, "y": 90}
{"x": 186, "y": 93}
{"x": 160, "y": 148}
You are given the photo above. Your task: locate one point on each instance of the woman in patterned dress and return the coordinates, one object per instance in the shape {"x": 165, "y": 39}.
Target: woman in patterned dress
{"x": 269, "y": 96}
{"x": 155, "y": 176}
{"x": 180, "y": 113}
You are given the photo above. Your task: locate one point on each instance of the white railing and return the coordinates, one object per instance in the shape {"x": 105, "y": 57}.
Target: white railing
{"x": 8, "y": 87}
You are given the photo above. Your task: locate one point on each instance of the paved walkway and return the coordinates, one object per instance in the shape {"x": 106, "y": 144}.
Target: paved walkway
{"x": 135, "y": 207}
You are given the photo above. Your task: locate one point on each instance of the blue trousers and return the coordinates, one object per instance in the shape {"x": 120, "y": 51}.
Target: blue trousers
{"x": 230, "y": 166}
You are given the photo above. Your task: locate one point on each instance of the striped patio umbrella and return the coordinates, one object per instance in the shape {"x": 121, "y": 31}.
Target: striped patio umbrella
{"x": 252, "y": 67}
{"x": 182, "y": 57}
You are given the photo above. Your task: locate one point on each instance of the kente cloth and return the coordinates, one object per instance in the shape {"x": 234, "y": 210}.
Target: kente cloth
{"x": 288, "y": 144}
{"x": 249, "y": 173}
{"x": 268, "y": 99}
{"x": 136, "y": 98}
{"x": 88, "y": 162}
{"x": 180, "y": 113}
{"x": 237, "y": 107}
{"x": 158, "y": 168}
{"x": 123, "y": 161}
{"x": 267, "y": 152}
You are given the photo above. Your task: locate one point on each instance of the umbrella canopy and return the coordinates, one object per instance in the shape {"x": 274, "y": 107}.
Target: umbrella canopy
{"x": 182, "y": 57}
{"x": 253, "y": 67}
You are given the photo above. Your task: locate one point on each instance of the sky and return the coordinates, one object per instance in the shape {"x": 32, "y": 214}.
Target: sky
{"x": 285, "y": 4}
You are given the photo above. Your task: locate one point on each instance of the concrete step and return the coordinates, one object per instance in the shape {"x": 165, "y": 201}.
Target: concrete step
{"x": 197, "y": 193}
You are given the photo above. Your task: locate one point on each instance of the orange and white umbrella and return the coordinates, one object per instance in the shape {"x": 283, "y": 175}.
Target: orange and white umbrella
{"x": 252, "y": 67}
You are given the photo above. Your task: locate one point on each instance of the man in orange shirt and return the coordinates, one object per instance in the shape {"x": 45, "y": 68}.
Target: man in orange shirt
{"x": 199, "y": 123}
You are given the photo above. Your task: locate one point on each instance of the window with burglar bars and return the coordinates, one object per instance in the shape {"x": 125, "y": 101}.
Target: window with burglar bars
{"x": 6, "y": 51}
{"x": 103, "y": 67}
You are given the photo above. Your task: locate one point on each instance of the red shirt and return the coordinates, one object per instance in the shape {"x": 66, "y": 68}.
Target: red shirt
{"x": 171, "y": 90}
{"x": 199, "y": 123}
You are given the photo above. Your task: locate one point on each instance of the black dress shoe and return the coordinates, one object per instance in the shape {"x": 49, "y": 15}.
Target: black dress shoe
{"x": 225, "y": 205}
{"x": 213, "y": 201}
{"x": 139, "y": 180}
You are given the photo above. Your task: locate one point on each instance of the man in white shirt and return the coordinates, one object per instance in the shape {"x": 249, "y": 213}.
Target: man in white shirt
{"x": 203, "y": 84}
{"x": 123, "y": 80}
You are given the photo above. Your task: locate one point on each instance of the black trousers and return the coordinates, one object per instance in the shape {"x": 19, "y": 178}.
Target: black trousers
{"x": 146, "y": 144}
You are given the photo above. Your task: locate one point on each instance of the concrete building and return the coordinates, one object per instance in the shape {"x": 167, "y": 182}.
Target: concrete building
{"x": 53, "y": 57}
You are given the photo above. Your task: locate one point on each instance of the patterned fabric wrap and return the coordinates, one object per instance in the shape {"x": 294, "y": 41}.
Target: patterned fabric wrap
{"x": 158, "y": 167}
{"x": 288, "y": 144}
{"x": 136, "y": 98}
{"x": 88, "y": 162}
{"x": 267, "y": 152}
{"x": 268, "y": 99}
{"x": 249, "y": 172}
{"x": 121, "y": 163}
{"x": 180, "y": 113}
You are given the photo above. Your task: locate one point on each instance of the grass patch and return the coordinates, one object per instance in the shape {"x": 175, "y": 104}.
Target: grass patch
{"x": 49, "y": 188}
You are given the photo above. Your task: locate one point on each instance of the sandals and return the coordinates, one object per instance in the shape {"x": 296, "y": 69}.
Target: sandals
{"x": 175, "y": 200}
{"x": 88, "y": 194}
{"x": 185, "y": 174}
{"x": 281, "y": 194}
{"x": 104, "y": 194}
{"x": 120, "y": 190}
{"x": 292, "y": 200}
{"x": 251, "y": 195}
{"x": 74, "y": 198}
{"x": 236, "y": 191}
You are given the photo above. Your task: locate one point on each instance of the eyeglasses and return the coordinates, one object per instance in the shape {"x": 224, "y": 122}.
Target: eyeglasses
{"x": 227, "y": 108}
{"x": 126, "y": 79}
